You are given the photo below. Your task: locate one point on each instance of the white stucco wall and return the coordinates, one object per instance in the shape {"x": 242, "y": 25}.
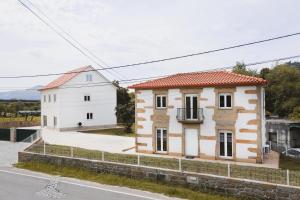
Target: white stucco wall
{"x": 241, "y": 99}
{"x": 147, "y": 105}
{"x": 70, "y": 107}
{"x": 208, "y": 127}
{"x": 207, "y": 147}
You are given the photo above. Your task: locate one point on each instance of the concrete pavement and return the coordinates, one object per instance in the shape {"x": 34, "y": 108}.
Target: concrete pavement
{"x": 9, "y": 152}
{"x": 18, "y": 184}
{"x": 109, "y": 143}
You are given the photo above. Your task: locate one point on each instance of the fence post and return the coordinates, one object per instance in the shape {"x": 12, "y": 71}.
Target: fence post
{"x": 138, "y": 161}
{"x": 228, "y": 170}
{"x": 44, "y": 148}
{"x": 72, "y": 154}
{"x": 179, "y": 162}
{"x": 102, "y": 156}
{"x": 288, "y": 177}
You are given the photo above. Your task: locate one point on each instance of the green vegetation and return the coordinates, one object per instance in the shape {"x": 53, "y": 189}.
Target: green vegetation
{"x": 286, "y": 162}
{"x": 237, "y": 171}
{"x": 11, "y": 108}
{"x": 147, "y": 185}
{"x": 125, "y": 107}
{"x": 283, "y": 89}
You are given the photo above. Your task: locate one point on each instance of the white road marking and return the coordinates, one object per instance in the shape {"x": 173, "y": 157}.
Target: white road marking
{"x": 78, "y": 184}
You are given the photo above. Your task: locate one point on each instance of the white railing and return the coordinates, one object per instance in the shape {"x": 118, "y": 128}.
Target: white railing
{"x": 33, "y": 137}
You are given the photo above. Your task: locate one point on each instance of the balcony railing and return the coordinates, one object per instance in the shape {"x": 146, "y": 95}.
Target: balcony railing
{"x": 190, "y": 115}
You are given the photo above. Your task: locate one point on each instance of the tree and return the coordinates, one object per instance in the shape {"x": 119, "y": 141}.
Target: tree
{"x": 240, "y": 68}
{"x": 125, "y": 107}
{"x": 283, "y": 90}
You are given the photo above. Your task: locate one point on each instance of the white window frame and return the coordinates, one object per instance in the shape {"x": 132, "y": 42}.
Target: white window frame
{"x": 89, "y": 77}
{"x": 162, "y": 140}
{"x": 225, "y": 100}
{"x": 161, "y": 101}
{"x": 225, "y": 144}
{"x": 192, "y": 106}
{"x": 54, "y": 98}
{"x": 49, "y": 98}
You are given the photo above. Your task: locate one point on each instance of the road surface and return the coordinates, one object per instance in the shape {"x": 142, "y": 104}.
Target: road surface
{"x": 17, "y": 184}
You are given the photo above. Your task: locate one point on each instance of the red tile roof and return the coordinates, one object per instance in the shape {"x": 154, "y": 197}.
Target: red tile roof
{"x": 201, "y": 79}
{"x": 65, "y": 78}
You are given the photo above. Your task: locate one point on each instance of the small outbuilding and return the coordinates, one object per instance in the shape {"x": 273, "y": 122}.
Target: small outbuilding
{"x": 283, "y": 133}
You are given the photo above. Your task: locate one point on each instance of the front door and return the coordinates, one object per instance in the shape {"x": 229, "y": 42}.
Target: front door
{"x": 191, "y": 142}
{"x": 191, "y": 106}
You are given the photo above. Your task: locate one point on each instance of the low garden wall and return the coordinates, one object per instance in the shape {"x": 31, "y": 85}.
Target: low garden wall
{"x": 202, "y": 182}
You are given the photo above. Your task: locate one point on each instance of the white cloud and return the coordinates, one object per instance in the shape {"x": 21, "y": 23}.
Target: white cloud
{"x": 122, "y": 32}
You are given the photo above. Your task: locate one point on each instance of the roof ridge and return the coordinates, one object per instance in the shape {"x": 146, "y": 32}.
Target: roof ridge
{"x": 244, "y": 75}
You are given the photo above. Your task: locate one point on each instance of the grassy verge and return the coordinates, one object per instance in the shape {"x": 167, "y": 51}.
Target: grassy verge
{"x": 111, "y": 131}
{"x": 147, "y": 185}
{"x": 289, "y": 163}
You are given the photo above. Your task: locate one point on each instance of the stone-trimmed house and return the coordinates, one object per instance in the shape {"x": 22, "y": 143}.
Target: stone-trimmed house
{"x": 77, "y": 100}
{"x": 211, "y": 115}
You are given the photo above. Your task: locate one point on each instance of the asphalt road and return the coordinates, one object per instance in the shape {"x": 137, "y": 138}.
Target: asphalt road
{"x": 16, "y": 184}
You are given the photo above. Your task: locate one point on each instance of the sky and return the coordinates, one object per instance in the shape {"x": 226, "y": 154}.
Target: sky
{"x": 123, "y": 32}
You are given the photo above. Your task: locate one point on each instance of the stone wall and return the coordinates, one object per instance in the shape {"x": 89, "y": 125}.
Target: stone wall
{"x": 205, "y": 183}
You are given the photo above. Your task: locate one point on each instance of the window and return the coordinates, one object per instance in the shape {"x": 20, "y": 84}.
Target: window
{"x": 44, "y": 120}
{"x": 161, "y": 101}
{"x": 161, "y": 140}
{"x": 89, "y": 115}
{"x": 87, "y": 98}
{"x": 191, "y": 107}
{"x": 225, "y": 100}
{"x": 45, "y": 98}
{"x": 89, "y": 77}
{"x": 54, "y": 98}
{"x": 49, "y": 98}
{"x": 54, "y": 121}
{"x": 225, "y": 144}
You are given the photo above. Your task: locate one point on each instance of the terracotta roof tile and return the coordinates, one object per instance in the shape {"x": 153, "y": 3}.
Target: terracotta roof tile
{"x": 201, "y": 79}
{"x": 65, "y": 78}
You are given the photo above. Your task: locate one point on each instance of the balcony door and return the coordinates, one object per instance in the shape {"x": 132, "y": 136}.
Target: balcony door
{"x": 191, "y": 107}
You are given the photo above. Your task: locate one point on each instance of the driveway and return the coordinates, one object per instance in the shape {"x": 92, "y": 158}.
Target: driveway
{"x": 17, "y": 184}
{"x": 9, "y": 152}
{"x": 110, "y": 143}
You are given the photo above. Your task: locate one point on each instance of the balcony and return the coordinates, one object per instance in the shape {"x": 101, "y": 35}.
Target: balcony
{"x": 190, "y": 115}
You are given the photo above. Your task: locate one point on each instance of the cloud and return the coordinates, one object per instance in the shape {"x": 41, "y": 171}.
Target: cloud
{"x": 123, "y": 32}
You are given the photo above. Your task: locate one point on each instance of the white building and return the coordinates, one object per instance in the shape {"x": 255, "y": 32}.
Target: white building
{"x": 82, "y": 98}
{"x": 211, "y": 115}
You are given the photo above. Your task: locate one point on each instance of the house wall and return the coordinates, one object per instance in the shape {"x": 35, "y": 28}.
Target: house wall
{"x": 71, "y": 108}
{"x": 50, "y": 109}
{"x": 245, "y": 120}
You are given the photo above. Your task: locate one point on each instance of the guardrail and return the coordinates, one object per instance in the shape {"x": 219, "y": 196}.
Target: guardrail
{"x": 190, "y": 115}
{"x": 270, "y": 175}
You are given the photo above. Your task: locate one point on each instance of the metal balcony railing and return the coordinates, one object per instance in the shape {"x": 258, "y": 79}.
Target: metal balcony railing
{"x": 190, "y": 115}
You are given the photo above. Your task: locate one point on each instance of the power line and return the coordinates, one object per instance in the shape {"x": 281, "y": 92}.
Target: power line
{"x": 122, "y": 66}
{"x": 61, "y": 35}
{"x": 80, "y": 44}
{"x": 104, "y": 83}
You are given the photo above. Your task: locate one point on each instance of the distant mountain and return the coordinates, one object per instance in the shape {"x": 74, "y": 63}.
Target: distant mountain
{"x": 29, "y": 94}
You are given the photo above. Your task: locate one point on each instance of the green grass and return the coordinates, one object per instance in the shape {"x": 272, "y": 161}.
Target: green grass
{"x": 111, "y": 131}
{"x": 289, "y": 163}
{"x": 19, "y": 119}
{"x": 277, "y": 176}
{"x": 109, "y": 179}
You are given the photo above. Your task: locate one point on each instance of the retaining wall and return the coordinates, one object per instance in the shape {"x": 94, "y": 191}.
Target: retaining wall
{"x": 200, "y": 182}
